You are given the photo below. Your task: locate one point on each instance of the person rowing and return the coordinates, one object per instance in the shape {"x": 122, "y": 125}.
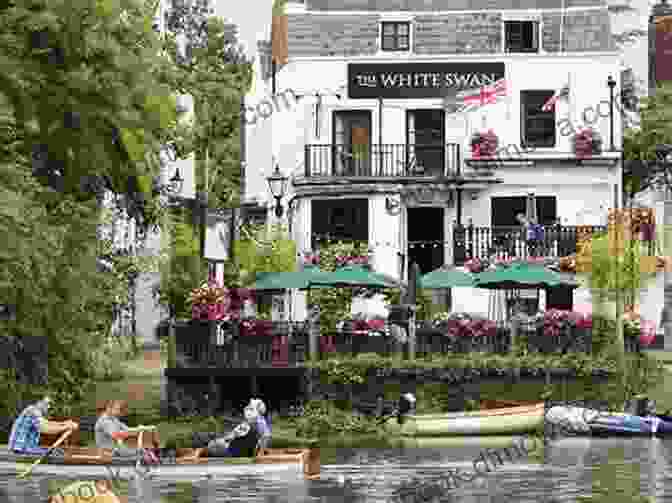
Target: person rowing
{"x": 111, "y": 432}
{"x": 243, "y": 441}
{"x": 24, "y": 437}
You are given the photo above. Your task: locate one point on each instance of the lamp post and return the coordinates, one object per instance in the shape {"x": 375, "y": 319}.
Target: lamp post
{"x": 277, "y": 183}
{"x": 612, "y": 84}
{"x": 172, "y": 189}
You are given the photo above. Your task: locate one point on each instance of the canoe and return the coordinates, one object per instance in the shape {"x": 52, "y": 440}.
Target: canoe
{"x": 499, "y": 421}
{"x": 581, "y": 420}
{"x": 93, "y": 461}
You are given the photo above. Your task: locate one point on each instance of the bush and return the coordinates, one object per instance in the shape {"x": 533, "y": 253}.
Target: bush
{"x": 321, "y": 418}
{"x": 108, "y": 358}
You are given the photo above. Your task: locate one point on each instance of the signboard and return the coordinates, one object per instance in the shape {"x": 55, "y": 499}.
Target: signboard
{"x": 218, "y": 236}
{"x": 419, "y": 80}
{"x": 663, "y": 48}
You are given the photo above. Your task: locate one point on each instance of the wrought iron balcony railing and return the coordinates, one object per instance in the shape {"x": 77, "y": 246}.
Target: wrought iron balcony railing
{"x": 386, "y": 160}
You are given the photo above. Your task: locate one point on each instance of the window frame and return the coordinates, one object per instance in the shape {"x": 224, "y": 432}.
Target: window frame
{"x": 524, "y": 117}
{"x": 395, "y": 37}
{"x": 536, "y": 23}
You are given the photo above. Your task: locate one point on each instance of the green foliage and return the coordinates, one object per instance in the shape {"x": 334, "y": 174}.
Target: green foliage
{"x": 321, "y": 419}
{"x": 114, "y": 78}
{"x": 107, "y": 360}
{"x": 184, "y": 271}
{"x": 264, "y": 249}
{"x": 217, "y": 75}
{"x": 335, "y": 303}
{"x": 610, "y": 273}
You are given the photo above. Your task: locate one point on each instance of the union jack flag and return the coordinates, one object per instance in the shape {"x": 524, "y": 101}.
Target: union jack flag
{"x": 485, "y": 95}
{"x": 562, "y": 93}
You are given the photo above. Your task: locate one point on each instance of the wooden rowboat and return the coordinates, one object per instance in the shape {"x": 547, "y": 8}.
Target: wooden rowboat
{"x": 498, "y": 421}
{"x": 188, "y": 462}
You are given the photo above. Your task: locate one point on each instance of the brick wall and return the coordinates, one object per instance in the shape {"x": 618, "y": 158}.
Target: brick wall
{"x": 458, "y": 34}
{"x": 315, "y": 35}
{"x": 477, "y": 33}
{"x": 442, "y": 5}
{"x": 584, "y": 31}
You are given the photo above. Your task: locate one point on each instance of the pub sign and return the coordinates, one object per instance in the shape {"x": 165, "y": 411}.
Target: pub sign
{"x": 419, "y": 80}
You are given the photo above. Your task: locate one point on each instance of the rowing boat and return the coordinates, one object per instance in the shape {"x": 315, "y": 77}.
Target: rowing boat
{"x": 93, "y": 461}
{"x": 498, "y": 421}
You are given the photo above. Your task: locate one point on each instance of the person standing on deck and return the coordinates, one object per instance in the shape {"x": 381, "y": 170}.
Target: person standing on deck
{"x": 25, "y": 435}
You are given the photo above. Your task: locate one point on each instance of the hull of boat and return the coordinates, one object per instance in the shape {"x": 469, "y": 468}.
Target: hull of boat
{"x": 503, "y": 421}
{"x": 304, "y": 462}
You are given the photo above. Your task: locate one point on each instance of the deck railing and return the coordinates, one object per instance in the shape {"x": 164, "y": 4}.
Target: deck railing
{"x": 511, "y": 242}
{"x": 287, "y": 345}
{"x": 382, "y": 160}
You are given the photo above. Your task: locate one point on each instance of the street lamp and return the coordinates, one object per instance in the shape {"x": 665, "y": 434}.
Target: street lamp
{"x": 612, "y": 84}
{"x": 277, "y": 184}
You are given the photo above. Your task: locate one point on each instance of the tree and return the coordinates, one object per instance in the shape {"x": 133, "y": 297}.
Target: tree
{"x": 83, "y": 85}
{"x": 647, "y": 164}
{"x": 216, "y": 73}
{"x": 89, "y": 93}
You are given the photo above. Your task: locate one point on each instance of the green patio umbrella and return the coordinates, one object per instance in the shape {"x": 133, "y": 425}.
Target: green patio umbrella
{"x": 447, "y": 278}
{"x": 355, "y": 276}
{"x": 522, "y": 276}
{"x": 288, "y": 280}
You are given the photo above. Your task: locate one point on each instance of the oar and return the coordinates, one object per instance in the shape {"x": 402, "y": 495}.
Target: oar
{"x": 137, "y": 463}
{"x": 51, "y": 449}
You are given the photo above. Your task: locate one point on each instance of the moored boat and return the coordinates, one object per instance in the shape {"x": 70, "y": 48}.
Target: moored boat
{"x": 497, "y": 421}
{"x": 581, "y": 420}
{"x": 93, "y": 461}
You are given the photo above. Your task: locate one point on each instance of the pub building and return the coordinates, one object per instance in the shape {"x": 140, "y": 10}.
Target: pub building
{"x": 388, "y": 101}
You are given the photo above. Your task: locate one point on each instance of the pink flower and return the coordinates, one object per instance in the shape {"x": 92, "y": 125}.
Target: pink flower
{"x": 376, "y": 324}
{"x": 647, "y": 333}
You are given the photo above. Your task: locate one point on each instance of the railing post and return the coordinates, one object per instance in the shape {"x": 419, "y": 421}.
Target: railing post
{"x": 172, "y": 343}
{"x": 306, "y": 160}
{"x": 458, "y": 244}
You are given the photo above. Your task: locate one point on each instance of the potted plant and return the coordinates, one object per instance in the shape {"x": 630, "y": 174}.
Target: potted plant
{"x": 484, "y": 144}
{"x": 587, "y": 142}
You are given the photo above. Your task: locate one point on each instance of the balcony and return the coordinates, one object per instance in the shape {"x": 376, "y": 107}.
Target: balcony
{"x": 383, "y": 160}
{"x": 510, "y": 242}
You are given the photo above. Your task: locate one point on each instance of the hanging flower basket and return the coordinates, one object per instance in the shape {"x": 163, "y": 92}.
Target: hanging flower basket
{"x": 587, "y": 143}
{"x": 476, "y": 265}
{"x": 484, "y": 144}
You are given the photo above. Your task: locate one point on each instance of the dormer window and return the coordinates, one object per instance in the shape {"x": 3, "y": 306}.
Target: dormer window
{"x": 395, "y": 36}
{"x": 521, "y": 36}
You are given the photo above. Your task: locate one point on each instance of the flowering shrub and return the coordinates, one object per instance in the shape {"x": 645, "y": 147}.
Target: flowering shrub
{"x": 476, "y": 265}
{"x": 256, "y": 327}
{"x": 559, "y": 321}
{"x": 484, "y": 144}
{"x": 362, "y": 324}
{"x": 214, "y": 302}
{"x": 587, "y": 142}
{"x": 636, "y": 326}
{"x": 341, "y": 260}
{"x": 468, "y": 325}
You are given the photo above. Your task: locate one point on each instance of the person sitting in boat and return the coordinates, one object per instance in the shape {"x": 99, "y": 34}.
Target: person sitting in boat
{"x": 262, "y": 422}
{"x": 111, "y": 433}
{"x": 251, "y": 434}
{"x": 25, "y": 434}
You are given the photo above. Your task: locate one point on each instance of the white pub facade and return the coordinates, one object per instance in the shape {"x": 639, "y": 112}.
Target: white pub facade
{"x": 369, "y": 131}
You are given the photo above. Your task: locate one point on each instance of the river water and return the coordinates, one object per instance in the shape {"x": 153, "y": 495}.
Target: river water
{"x": 570, "y": 469}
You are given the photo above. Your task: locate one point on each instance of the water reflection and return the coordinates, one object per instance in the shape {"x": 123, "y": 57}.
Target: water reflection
{"x": 572, "y": 469}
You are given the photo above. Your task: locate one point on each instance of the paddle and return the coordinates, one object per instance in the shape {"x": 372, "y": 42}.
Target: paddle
{"x": 48, "y": 453}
